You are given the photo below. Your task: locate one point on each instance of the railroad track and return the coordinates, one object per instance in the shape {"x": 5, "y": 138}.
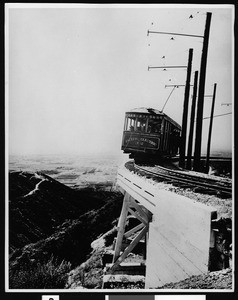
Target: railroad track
{"x": 212, "y": 185}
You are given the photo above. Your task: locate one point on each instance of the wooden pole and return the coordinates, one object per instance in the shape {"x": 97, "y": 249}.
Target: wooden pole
{"x": 185, "y": 112}
{"x": 190, "y": 138}
{"x": 202, "y": 79}
{"x": 210, "y": 128}
{"x": 145, "y": 249}
{"x": 121, "y": 226}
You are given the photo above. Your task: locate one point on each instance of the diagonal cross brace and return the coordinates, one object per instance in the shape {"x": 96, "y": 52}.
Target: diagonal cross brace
{"x": 132, "y": 245}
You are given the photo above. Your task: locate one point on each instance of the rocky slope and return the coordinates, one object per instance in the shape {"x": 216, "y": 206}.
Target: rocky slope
{"x": 213, "y": 280}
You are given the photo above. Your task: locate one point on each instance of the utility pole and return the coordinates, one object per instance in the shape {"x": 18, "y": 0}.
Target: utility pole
{"x": 210, "y": 128}
{"x": 202, "y": 79}
{"x": 190, "y": 138}
{"x": 185, "y": 112}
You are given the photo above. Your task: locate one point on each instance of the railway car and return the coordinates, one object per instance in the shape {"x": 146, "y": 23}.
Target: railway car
{"x": 150, "y": 134}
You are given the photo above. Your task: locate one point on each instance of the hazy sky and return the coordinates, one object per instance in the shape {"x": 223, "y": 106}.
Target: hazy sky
{"x": 73, "y": 71}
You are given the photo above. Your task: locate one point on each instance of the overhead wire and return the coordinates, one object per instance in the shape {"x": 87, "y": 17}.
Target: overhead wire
{"x": 168, "y": 98}
{"x": 164, "y": 55}
{"x": 218, "y": 116}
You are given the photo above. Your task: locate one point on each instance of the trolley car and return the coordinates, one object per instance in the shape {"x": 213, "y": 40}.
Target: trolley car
{"x": 150, "y": 134}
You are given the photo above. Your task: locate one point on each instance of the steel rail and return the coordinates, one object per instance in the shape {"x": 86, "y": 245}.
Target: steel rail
{"x": 188, "y": 176}
{"x": 190, "y": 180}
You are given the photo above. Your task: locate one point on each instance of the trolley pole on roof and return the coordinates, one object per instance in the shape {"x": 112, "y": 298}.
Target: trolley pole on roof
{"x": 185, "y": 112}
{"x": 190, "y": 138}
{"x": 210, "y": 128}
{"x": 202, "y": 79}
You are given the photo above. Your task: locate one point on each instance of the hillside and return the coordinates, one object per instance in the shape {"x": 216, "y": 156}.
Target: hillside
{"x": 38, "y": 204}
{"x": 49, "y": 220}
{"x": 72, "y": 240}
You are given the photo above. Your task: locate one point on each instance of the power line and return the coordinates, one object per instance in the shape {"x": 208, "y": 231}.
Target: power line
{"x": 217, "y": 116}
{"x": 174, "y": 33}
{"x": 168, "y": 98}
{"x": 205, "y": 118}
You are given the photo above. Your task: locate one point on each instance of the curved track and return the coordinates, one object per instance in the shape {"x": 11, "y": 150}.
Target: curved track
{"x": 214, "y": 185}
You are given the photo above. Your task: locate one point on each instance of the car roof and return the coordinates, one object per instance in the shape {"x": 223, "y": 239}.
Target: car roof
{"x": 152, "y": 111}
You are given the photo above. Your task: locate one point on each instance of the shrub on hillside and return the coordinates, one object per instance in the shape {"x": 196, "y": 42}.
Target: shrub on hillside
{"x": 49, "y": 275}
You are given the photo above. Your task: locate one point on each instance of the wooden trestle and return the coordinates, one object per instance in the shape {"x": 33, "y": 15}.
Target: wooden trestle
{"x": 179, "y": 236}
{"x": 130, "y": 206}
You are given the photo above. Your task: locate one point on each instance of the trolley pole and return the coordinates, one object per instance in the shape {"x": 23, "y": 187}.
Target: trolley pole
{"x": 185, "y": 112}
{"x": 202, "y": 79}
{"x": 210, "y": 128}
{"x": 190, "y": 138}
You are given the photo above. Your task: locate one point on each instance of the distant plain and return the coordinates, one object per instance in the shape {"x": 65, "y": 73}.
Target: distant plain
{"x": 72, "y": 170}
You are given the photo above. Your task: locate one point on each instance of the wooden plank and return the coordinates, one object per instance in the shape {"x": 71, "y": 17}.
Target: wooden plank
{"x": 192, "y": 266}
{"x": 134, "y": 213}
{"x": 187, "y": 224}
{"x": 123, "y": 278}
{"x": 146, "y": 243}
{"x": 142, "y": 213}
{"x": 133, "y": 230}
{"x": 179, "y": 240}
{"x": 121, "y": 226}
{"x": 164, "y": 267}
{"x": 129, "y": 268}
{"x": 144, "y": 198}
